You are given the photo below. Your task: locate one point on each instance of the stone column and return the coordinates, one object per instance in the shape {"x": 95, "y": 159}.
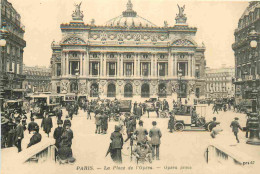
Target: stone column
{"x": 83, "y": 64}
{"x": 189, "y": 66}
{"x": 193, "y": 65}
{"x": 67, "y": 64}
{"x": 152, "y": 65}
{"x": 176, "y": 65}
{"x": 169, "y": 65}
{"x": 87, "y": 63}
{"x": 135, "y": 65}
{"x": 101, "y": 64}
{"x": 122, "y": 62}
{"x": 80, "y": 64}
{"x": 62, "y": 64}
{"x": 118, "y": 65}
{"x": 155, "y": 66}
{"x": 105, "y": 64}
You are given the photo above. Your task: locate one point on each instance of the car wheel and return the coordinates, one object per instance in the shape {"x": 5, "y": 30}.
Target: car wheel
{"x": 179, "y": 127}
{"x": 209, "y": 127}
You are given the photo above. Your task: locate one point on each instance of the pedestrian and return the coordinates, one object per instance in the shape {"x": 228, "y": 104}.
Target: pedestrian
{"x": 157, "y": 108}
{"x": 235, "y": 126}
{"x": 215, "y": 108}
{"x": 58, "y": 133}
{"x": 31, "y": 125}
{"x": 65, "y": 150}
{"x": 47, "y": 124}
{"x": 19, "y": 134}
{"x": 171, "y": 122}
{"x": 36, "y": 138}
{"x": 98, "y": 122}
{"x": 67, "y": 122}
{"x": 155, "y": 135}
{"x": 104, "y": 123}
{"x": 116, "y": 145}
{"x": 88, "y": 107}
{"x": 142, "y": 152}
{"x": 129, "y": 128}
{"x": 141, "y": 133}
{"x": 139, "y": 112}
{"x": 165, "y": 105}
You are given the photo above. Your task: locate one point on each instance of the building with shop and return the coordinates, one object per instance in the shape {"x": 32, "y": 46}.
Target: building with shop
{"x": 128, "y": 56}
{"x": 219, "y": 82}
{"x": 247, "y": 55}
{"x": 11, "y": 63}
{"x": 38, "y": 79}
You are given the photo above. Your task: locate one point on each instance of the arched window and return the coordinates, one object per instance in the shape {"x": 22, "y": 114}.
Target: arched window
{"x": 94, "y": 90}
{"x": 111, "y": 90}
{"x": 128, "y": 90}
{"x": 162, "y": 91}
{"x": 145, "y": 91}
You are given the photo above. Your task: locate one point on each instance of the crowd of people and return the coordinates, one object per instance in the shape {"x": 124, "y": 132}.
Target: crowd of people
{"x": 144, "y": 144}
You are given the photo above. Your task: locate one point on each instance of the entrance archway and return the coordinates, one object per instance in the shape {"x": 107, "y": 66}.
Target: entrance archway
{"x": 145, "y": 91}
{"x": 111, "y": 90}
{"x": 128, "y": 90}
{"x": 94, "y": 90}
{"x": 162, "y": 90}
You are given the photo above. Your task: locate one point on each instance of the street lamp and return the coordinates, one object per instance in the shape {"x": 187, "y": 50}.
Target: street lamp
{"x": 253, "y": 119}
{"x": 180, "y": 85}
{"x": 3, "y": 33}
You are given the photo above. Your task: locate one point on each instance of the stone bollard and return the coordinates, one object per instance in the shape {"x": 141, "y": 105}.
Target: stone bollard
{"x": 253, "y": 129}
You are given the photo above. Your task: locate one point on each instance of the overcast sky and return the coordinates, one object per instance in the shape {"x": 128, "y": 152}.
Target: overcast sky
{"x": 215, "y": 21}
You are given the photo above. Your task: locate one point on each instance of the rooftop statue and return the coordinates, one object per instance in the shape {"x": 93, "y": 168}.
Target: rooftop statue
{"x": 77, "y": 14}
{"x": 181, "y": 17}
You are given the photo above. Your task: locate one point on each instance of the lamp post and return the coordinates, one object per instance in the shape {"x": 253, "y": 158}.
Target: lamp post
{"x": 253, "y": 119}
{"x": 3, "y": 33}
{"x": 180, "y": 85}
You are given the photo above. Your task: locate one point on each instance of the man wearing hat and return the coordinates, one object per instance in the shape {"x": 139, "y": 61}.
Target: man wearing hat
{"x": 58, "y": 133}
{"x": 67, "y": 122}
{"x": 19, "y": 134}
{"x": 155, "y": 135}
{"x": 36, "y": 138}
{"x": 141, "y": 133}
{"x": 31, "y": 125}
{"x": 47, "y": 124}
{"x": 104, "y": 122}
{"x": 235, "y": 126}
{"x": 116, "y": 145}
{"x": 98, "y": 121}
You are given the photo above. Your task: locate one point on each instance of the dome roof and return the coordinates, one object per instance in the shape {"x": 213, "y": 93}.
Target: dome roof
{"x": 129, "y": 18}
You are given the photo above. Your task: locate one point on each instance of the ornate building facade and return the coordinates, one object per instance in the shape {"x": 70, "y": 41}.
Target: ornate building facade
{"x": 11, "y": 60}
{"x": 219, "y": 82}
{"x": 38, "y": 79}
{"x": 247, "y": 55}
{"x": 129, "y": 56}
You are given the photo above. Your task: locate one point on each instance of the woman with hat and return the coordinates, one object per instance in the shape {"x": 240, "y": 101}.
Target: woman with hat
{"x": 58, "y": 133}
{"x": 116, "y": 145}
{"x": 67, "y": 122}
{"x": 36, "y": 138}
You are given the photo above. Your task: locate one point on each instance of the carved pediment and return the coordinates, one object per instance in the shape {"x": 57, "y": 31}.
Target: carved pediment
{"x": 182, "y": 42}
{"x": 74, "y": 41}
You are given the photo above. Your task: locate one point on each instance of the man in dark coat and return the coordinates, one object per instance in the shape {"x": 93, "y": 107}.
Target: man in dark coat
{"x": 171, "y": 122}
{"x": 67, "y": 122}
{"x": 155, "y": 134}
{"x": 36, "y": 138}
{"x": 104, "y": 123}
{"x": 139, "y": 112}
{"x": 31, "y": 125}
{"x": 65, "y": 151}
{"x": 235, "y": 126}
{"x": 165, "y": 105}
{"x": 157, "y": 108}
{"x": 141, "y": 133}
{"x": 47, "y": 124}
{"x": 19, "y": 134}
{"x": 58, "y": 133}
{"x": 116, "y": 145}
{"x": 11, "y": 134}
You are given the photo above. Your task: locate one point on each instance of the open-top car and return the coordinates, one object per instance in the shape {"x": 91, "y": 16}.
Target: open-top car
{"x": 188, "y": 119}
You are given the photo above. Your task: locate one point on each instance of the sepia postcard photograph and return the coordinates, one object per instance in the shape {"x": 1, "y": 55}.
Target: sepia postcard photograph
{"x": 130, "y": 86}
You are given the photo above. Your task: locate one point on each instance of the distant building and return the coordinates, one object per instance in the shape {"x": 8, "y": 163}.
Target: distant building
{"x": 219, "y": 82}
{"x": 11, "y": 60}
{"x": 247, "y": 57}
{"x": 38, "y": 79}
{"x": 128, "y": 57}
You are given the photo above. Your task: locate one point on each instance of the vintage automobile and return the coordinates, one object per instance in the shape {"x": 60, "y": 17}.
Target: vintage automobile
{"x": 125, "y": 105}
{"x": 45, "y": 102}
{"x": 187, "y": 118}
{"x": 150, "y": 104}
{"x": 14, "y": 105}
